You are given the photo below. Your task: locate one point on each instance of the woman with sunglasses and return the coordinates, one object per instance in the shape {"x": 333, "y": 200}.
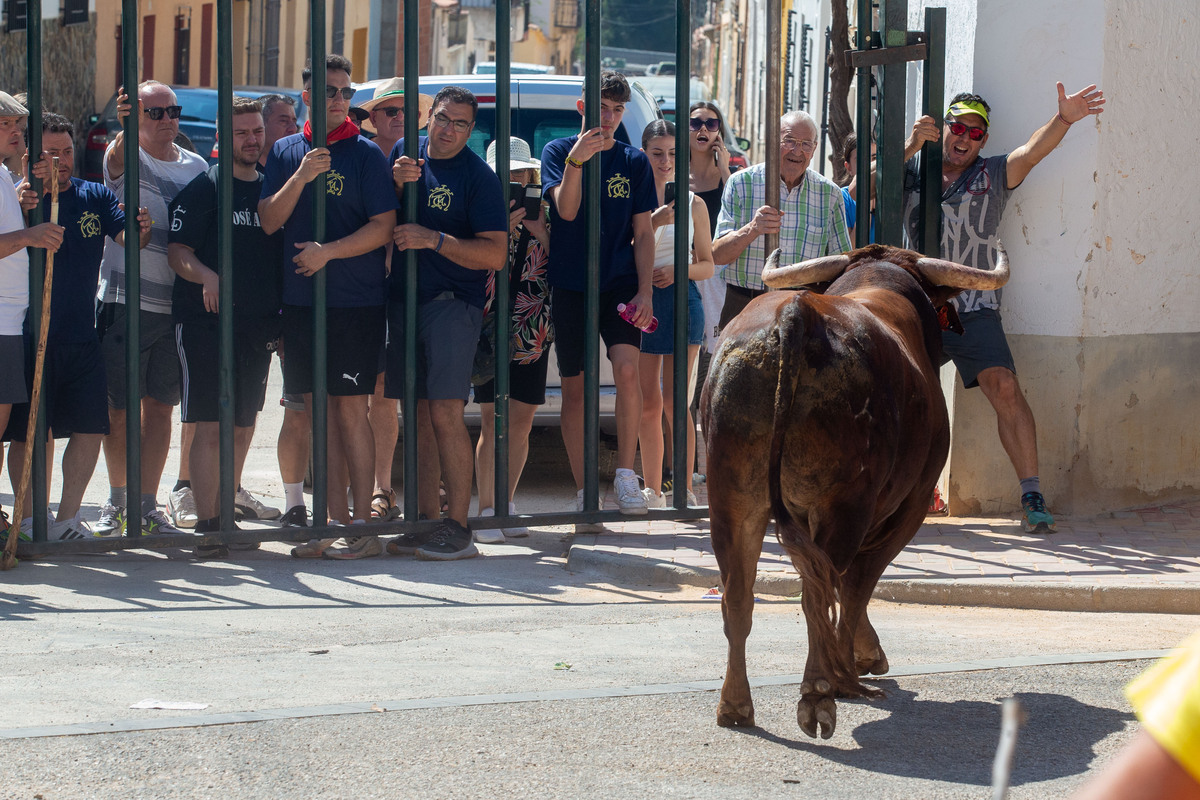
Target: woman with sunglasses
{"x": 657, "y": 363}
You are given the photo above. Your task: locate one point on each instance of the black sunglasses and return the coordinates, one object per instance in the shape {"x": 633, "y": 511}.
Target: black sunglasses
{"x": 713, "y": 124}
{"x": 392, "y": 111}
{"x": 331, "y": 92}
{"x": 156, "y": 112}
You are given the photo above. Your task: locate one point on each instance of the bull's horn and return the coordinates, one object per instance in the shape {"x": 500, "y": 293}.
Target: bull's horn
{"x": 805, "y": 273}
{"x": 948, "y": 273}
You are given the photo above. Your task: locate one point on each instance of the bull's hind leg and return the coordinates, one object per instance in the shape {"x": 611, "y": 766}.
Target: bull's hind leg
{"x": 737, "y": 542}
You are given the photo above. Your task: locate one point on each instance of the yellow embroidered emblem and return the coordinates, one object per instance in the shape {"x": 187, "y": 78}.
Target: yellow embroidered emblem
{"x": 618, "y": 186}
{"x": 440, "y": 198}
{"x": 335, "y": 183}
{"x": 89, "y": 225}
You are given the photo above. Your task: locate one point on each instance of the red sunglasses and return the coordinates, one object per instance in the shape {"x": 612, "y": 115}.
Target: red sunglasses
{"x": 959, "y": 128}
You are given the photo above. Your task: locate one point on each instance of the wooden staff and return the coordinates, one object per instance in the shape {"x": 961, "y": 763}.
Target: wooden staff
{"x": 9, "y": 559}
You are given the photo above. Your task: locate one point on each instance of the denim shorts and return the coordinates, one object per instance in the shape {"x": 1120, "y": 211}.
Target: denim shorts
{"x": 662, "y": 341}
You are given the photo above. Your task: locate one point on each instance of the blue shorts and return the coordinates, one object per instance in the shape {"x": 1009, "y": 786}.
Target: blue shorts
{"x": 74, "y": 388}
{"x": 662, "y": 341}
{"x": 447, "y": 336}
{"x": 982, "y": 345}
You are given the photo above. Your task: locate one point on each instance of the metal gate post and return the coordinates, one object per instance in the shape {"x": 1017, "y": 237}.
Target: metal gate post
{"x": 591, "y": 363}
{"x": 773, "y": 106}
{"x": 133, "y": 274}
{"x": 680, "y": 467}
{"x": 412, "y": 110}
{"x": 320, "y": 389}
{"x": 37, "y": 262}
{"x": 500, "y": 302}
{"x": 933, "y": 99}
{"x": 890, "y": 146}
{"x": 226, "y": 487}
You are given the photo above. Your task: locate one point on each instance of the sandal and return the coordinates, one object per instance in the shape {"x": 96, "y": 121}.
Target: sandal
{"x": 383, "y": 505}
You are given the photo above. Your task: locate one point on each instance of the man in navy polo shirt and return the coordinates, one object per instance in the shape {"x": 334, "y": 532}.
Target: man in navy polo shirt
{"x": 462, "y": 234}
{"x": 75, "y": 386}
{"x": 360, "y": 214}
{"x": 192, "y": 253}
{"x": 627, "y": 197}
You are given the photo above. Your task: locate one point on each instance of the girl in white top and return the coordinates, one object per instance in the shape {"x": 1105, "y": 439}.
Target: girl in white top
{"x": 657, "y": 365}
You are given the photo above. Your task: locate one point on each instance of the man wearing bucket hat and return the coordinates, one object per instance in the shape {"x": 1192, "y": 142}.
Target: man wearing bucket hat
{"x": 974, "y": 193}
{"x": 529, "y": 343}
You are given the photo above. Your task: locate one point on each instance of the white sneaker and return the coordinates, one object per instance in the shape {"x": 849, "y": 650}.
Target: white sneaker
{"x": 518, "y": 532}
{"x": 586, "y": 527}
{"x": 629, "y": 496}
{"x": 654, "y": 499}
{"x": 68, "y": 529}
{"x": 182, "y": 507}
{"x": 488, "y": 535}
{"x": 691, "y": 501}
{"x": 250, "y": 507}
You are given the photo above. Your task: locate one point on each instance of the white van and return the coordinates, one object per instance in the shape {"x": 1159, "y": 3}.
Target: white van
{"x": 542, "y": 108}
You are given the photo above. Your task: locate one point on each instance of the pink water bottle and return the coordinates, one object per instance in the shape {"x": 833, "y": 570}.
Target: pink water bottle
{"x": 627, "y": 312}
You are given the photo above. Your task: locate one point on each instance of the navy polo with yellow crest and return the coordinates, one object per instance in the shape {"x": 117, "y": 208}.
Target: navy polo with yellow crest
{"x": 460, "y": 197}
{"x": 626, "y": 188}
{"x": 358, "y": 186}
{"x": 88, "y": 212}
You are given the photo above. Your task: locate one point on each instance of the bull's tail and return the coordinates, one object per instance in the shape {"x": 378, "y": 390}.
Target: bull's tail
{"x": 828, "y": 628}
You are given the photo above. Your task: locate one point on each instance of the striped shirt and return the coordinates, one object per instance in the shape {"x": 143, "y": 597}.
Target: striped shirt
{"x": 813, "y": 225}
{"x": 158, "y": 183}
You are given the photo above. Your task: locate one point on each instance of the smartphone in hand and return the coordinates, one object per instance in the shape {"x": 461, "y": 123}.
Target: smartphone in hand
{"x": 532, "y": 199}
{"x": 669, "y": 193}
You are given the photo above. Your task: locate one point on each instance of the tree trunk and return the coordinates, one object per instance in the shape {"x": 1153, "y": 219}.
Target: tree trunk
{"x": 841, "y": 124}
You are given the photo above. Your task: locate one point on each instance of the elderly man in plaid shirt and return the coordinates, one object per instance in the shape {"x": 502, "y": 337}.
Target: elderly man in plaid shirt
{"x": 811, "y": 220}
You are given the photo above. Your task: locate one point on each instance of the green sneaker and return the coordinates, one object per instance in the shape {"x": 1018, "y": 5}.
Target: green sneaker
{"x": 1037, "y": 518}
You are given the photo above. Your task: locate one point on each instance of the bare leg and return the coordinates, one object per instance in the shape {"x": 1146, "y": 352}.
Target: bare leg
{"x": 624, "y": 358}
{"x": 455, "y": 454}
{"x": 668, "y": 403}
{"x": 485, "y": 457}
{"x": 293, "y": 447}
{"x": 114, "y": 448}
{"x": 357, "y": 448}
{"x": 520, "y": 424}
{"x": 1014, "y": 419}
{"x": 650, "y": 429}
{"x": 78, "y": 465}
{"x": 385, "y": 427}
{"x": 204, "y": 468}
{"x": 187, "y": 431}
{"x": 156, "y": 442}
{"x": 16, "y": 464}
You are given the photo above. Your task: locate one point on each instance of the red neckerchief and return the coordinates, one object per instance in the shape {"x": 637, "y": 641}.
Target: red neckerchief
{"x": 347, "y": 130}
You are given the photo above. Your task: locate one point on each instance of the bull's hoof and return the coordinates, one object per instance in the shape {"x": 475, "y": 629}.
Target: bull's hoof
{"x": 872, "y": 666}
{"x": 817, "y": 710}
{"x": 731, "y": 716}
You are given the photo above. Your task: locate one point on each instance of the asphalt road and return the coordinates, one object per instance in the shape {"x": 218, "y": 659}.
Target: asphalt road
{"x": 453, "y": 670}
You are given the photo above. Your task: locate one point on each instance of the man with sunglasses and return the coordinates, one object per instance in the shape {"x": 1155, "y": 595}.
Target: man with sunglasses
{"x": 360, "y": 213}
{"x": 460, "y": 235}
{"x": 975, "y": 191}
{"x": 163, "y": 170}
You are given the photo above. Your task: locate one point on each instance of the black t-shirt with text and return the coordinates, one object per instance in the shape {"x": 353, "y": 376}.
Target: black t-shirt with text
{"x": 256, "y": 256}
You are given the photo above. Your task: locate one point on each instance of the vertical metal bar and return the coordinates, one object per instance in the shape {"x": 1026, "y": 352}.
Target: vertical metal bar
{"x": 889, "y": 192}
{"x": 773, "y": 106}
{"x": 681, "y": 467}
{"x": 133, "y": 274}
{"x": 933, "y": 99}
{"x": 502, "y": 301}
{"x": 862, "y": 219}
{"x": 226, "y": 485}
{"x": 591, "y": 201}
{"x": 320, "y": 389}
{"x": 408, "y": 261}
{"x": 37, "y": 261}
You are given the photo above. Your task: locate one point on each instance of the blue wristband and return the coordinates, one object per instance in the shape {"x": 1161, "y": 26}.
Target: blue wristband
{"x": 441, "y": 238}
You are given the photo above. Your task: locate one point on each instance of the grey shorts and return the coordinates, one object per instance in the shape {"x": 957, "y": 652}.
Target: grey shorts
{"x": 13, "y": 388}
{"x": 982, "y": 345}
{"x": 447, "y": 335}
{"x": 159, "y": 362}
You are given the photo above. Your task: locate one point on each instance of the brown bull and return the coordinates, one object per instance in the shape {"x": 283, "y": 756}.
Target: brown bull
{"x": 824, "y": 411}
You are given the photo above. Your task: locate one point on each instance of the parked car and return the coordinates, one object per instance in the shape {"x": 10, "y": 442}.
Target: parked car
{"x": 542, "y": 108}
{"x": 198, "y": 122}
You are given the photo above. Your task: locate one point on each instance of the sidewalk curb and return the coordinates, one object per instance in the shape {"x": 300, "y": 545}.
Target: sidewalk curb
{"x": 964, "y": 592}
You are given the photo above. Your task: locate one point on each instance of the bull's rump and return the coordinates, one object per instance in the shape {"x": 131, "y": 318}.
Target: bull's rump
{"x": 861, "y": 418}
